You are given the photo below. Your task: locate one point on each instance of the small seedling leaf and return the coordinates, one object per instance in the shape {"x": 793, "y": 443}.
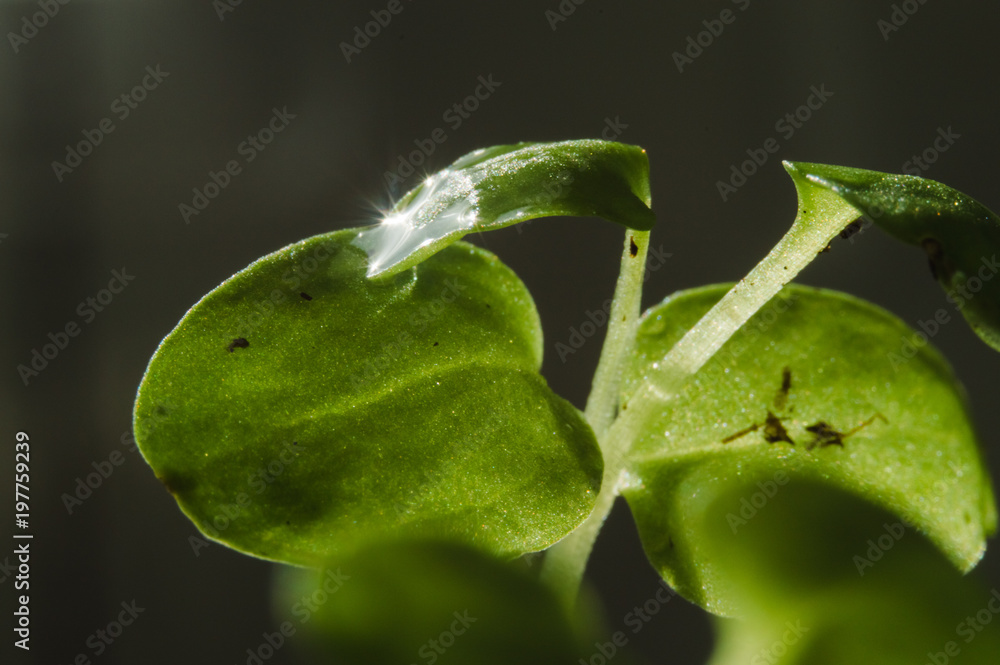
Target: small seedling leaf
{"x": 960, "y": 235}
{"x": 508, "y": 184}
{"x": 406, "y": 405}
{"x": 817, "y": 386}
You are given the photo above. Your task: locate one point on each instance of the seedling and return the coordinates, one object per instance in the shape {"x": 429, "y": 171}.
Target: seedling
{"x": 392, "y": 373}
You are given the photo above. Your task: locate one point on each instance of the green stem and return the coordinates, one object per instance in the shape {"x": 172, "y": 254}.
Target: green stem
{"x": 822, "y": 216}
{"x": 623, "y": 321}
{"x": 566, "y": 560}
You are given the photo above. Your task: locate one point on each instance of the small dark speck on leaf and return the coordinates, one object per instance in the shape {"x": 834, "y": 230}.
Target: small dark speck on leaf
{"x": 742, "y": 432}
{"x": 851, "y": 229}
{"x": 306, "y": 295}
{"x": 633, "y": 249}
{"x": 774, "y": 431}
{"x": 435, "y": 343}
{"x": 781, "y": 398}
{"x": 940, "y": 266}
{"x": 238, "y": 343}
{"x": 175, "y": 483}
{"x": 824, "y": 435}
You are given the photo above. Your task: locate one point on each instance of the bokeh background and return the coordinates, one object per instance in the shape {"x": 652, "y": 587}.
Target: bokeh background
{"x": 226, "y": 65}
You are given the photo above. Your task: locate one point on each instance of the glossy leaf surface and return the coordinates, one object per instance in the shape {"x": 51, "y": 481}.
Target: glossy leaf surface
{"x": 817, "y": 386}
{"x": 960, "y": 235}
{"x": 507, "y": 184}
{"x": 300, "y": 407}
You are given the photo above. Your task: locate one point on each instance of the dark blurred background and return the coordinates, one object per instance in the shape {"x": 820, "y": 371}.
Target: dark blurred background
{"x": 214, "y": 74}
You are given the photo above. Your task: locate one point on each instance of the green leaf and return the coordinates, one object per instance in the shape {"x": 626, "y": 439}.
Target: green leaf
{"x": 854, "y": 586}
{"x": 960, "y": 235}
{"x": 300, "y": 407}
{"x": 507, "y": 184}
{"x": 424, "y": 602}
{"x": 817, "y": 386}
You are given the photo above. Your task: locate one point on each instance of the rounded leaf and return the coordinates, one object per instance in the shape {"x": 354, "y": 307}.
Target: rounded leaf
{"x": 491, "y": 188}
{"x": 817, "y": 386}
{"x": 855, "y": 585}
{"x": 300, "y": 407}
{"x": 960, "y": 235}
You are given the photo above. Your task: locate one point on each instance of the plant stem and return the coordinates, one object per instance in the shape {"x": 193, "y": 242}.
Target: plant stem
{"x": 566, "y": 560}
{"x": 623, "y": 321}
{"x": 822, "y": 216}
{"x": 811, "y": 233}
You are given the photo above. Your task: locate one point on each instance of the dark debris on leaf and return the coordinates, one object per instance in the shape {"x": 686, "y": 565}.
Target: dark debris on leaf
{"x": 824, "y": 435}
{"x": 851, "y": 229}
{"x": 781, "y": 398}
{"x": 941, "y": 268}
{"x": 774, "y": 431}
